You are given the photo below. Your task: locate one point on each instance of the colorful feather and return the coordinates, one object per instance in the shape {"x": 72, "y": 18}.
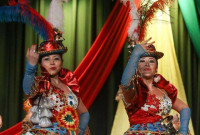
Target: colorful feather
{"x": 132, "y": 31}
{"x": 143, "y": 16}
{"x": 124, "y": 1}
{"x": 12, "y": 3}
{"x": 55, "y": 15}
{"x": 25, "y": 14}
{"x": 149, "y": 14}
{"x": 23, "y": 1}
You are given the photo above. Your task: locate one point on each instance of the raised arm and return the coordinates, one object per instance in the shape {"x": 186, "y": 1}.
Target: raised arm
{"x": 131, "y": 66}
{"x": 31, "y": 67}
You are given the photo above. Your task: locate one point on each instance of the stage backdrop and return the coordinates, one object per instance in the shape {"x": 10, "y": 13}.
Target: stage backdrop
{"x": 15, "y": 38}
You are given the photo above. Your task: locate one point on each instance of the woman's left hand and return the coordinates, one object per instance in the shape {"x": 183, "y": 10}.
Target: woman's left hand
{"x": 1, "y": 123}
{"x": 145, "y": 44}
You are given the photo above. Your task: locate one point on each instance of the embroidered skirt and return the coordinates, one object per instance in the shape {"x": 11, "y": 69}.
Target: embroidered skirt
{"x": 147, "y": 129}
{"x": 53, "y": 130}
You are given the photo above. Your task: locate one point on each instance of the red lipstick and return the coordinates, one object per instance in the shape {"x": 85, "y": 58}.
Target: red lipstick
{"x": 53, "y": 68}
{"x": 147, "y": 69}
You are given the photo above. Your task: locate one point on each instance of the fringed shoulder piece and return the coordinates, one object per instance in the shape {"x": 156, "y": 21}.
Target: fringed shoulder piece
{"x": 142, "y": 92}
{"x": 126, "y": 93}
{"x": 36, "y": 89}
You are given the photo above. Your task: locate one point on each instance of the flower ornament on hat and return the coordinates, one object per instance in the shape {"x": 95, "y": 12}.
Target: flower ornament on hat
{"x": 51, "y": 47}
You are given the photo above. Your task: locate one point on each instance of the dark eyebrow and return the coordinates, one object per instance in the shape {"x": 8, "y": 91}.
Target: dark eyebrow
{"x": 46, "y": 56}
{"x": 55, "y": 55}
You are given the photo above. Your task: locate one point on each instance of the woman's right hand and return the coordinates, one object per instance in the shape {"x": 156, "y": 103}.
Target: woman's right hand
{"x": 145, "y": 44}
{"x": 32, "y": 56}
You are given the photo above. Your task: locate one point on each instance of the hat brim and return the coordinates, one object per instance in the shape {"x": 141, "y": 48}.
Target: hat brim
{"x": 57, "y": 51}
{"x": 156, "y": 55}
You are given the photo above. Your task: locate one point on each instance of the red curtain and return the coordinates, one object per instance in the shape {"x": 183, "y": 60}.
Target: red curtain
{"x": 98, "y": 62}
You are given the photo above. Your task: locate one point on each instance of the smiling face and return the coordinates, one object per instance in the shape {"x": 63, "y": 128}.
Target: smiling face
{"x": 147, "y": 67}
{"x": 52, "y": 63}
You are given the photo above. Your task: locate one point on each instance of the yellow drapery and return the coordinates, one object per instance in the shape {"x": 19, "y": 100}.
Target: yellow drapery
{"x": 161, "y": 32}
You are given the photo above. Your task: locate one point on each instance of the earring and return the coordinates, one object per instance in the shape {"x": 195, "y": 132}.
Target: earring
{"x": 138, "y": 73}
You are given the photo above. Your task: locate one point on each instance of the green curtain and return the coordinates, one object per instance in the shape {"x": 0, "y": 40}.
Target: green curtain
{"x": 189, "y": 64}
{"x": 189, "y": 12}
{"x": 198, "y": 7}
{"x": 82, "y": 23}
{"x": 11, "y": 72}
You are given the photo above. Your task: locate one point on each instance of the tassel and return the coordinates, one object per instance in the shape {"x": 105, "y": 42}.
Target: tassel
{"x": 45, "y": 113}
{"x": 34, "y": 109}
{"x": 45, "y": 122}
{"x": 35, "y": 118}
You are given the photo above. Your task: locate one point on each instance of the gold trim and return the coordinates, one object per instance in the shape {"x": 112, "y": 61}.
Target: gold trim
{"x": 44, "y": 52}
{"x": 156, "y": 54}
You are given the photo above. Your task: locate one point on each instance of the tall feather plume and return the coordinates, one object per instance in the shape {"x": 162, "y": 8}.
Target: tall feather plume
{"x": 142, "y": 16}
{"x": 135, "y": 17}
{"x": 18, "y": 12}
{"x": 55, "y": 15}
{"x": 150, "y": 14}
{"x": 133, "y": 29}
{"x": 124, "y": 1}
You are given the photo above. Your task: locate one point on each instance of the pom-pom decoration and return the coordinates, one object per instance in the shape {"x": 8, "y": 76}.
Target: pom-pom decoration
{"x": 21, "y": 12}
{"x": 68, "y": 118}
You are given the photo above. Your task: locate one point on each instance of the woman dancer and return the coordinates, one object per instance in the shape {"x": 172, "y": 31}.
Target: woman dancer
{"x": 54, "y": 96}
{"x": 148, "y": 97}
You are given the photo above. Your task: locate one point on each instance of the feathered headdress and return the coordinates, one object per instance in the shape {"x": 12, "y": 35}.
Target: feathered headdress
{"x": 143, "y": 16}
{"x": 21, "y": 12}
{"x": 55, "y": 15}
{"x": 50, "y": 31}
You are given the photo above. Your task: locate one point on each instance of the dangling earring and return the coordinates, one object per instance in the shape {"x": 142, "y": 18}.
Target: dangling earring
{"x": 138, "y": 73}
